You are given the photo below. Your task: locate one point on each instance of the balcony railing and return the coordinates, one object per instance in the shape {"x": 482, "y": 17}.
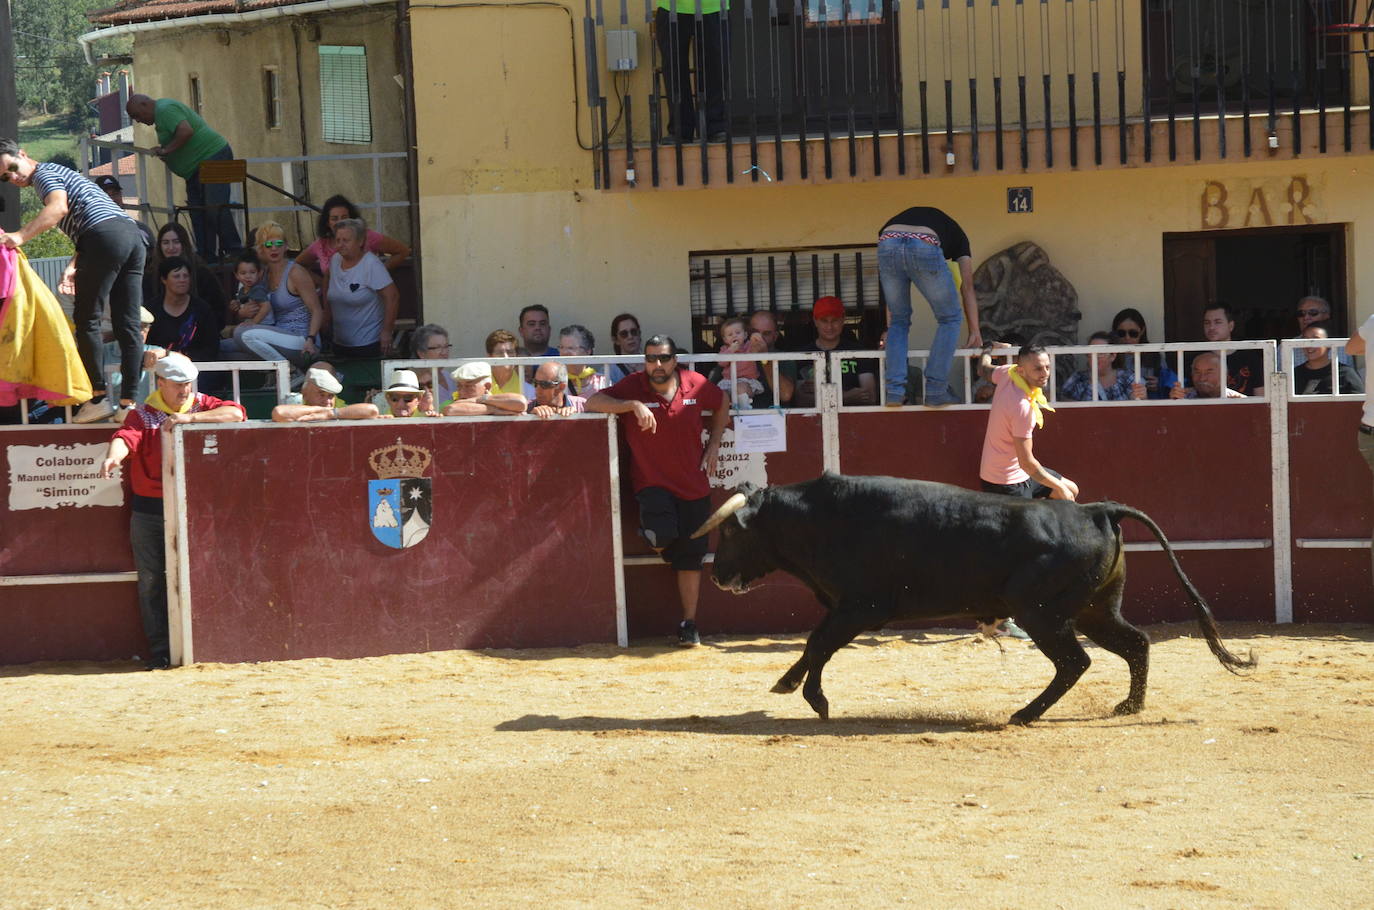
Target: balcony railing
{"x": 787, "y": 90}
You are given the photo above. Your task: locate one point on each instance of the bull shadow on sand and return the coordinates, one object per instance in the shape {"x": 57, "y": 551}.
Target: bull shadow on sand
{"x": 761, "y": 723}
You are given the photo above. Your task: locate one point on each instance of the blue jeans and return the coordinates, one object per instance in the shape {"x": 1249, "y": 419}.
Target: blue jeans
{"x": 150, "y": 558}
{"x": 903, "y": 262}
{"x": 213, "y": 227}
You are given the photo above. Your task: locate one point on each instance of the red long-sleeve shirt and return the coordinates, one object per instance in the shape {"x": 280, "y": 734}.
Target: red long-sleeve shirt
{"x": 140, "y": 434}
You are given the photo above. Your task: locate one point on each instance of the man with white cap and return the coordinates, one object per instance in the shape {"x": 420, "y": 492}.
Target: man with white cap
{"x": 316, "y": 401}
{"x": 474, "y": 397}
{"x": 403, "y": 395}
{"x": 173, "y": 401}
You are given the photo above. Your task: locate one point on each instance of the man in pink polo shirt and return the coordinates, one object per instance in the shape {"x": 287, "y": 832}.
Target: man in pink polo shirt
{"x": 1009, "y": 465}
{"x": 669, "y": 466}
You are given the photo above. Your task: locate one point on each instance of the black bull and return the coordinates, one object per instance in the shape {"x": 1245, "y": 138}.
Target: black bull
{"x": 879, "y": 549}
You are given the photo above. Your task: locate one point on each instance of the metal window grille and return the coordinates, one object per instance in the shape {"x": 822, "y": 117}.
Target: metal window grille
{"x": 345, "y": 103}
{"x": 271, "y": 97}
{"x": 735, "y": 282}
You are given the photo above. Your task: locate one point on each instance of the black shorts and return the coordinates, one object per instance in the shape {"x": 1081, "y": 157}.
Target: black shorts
{"x": 1030, "y": 488}
{"x": 668, "y": 523}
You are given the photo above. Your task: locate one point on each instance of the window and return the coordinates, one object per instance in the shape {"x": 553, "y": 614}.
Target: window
{"x": 344, "y": 102}
{"x": 271, "y": 97}
{"x": 735, "y": 282}
{"x": 196, "y": 103}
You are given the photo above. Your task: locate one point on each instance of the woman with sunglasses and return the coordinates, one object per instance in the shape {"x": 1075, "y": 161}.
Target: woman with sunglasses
{"x": 1128, "y": 327}
{"x": 174, "y": 240}
{"x": 626, "y": 339}
{"x": 296, "y": 309}
{"x": 107, "y": 265}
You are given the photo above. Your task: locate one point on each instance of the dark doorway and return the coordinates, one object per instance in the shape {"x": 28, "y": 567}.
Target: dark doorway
{"x": 1261, "y": 273}
{"x": 832, "y": 62}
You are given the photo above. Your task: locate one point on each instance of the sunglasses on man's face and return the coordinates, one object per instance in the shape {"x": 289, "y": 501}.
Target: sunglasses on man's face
{"x": 1310, "y": 313}
{"x": 273, "y": 244}
{"x": 658, "y": 358}
{"x": 547, "y": 383}
{"x": 1127, "y": 333}
{"x": 9, "y": 172}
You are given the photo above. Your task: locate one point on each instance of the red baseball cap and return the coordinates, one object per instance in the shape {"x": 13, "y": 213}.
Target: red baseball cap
{"x": 828, "y": 308}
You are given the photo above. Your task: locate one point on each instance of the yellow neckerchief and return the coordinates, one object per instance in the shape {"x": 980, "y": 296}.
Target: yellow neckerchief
{"x": 155, "y": 401}
{"x": 1034, "y": 393}
{"x": 580, "y": 378}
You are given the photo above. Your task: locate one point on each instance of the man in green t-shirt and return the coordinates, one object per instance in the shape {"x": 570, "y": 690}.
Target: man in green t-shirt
{"x": 682, "y": 34}
{"x": 184, "y": 140}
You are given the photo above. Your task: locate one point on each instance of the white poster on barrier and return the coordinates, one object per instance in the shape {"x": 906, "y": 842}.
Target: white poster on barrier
{"x": 735, "y": 467}
{"x": 760, "y": 433}
{"x": 60, "y": 477}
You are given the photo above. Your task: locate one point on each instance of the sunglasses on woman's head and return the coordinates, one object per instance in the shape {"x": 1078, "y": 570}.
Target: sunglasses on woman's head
{"x": 1127, "y": 333}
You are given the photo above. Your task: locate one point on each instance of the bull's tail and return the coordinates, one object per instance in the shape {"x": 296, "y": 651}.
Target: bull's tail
{"x": 1204, "y": 613}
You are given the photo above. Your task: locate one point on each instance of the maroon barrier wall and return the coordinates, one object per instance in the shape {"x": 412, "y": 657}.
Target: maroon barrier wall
{"x": 1330, "y": 497}
{"x": 283, "y": 562}
{"x": 69, "y": 621}
{"x": 1146, "y": 457}
{"x": 778, "y": 604}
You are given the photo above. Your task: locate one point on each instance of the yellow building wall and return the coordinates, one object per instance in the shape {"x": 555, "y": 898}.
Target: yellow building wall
{"x": 509, "y": 216}
{"x": 230, "y": 64}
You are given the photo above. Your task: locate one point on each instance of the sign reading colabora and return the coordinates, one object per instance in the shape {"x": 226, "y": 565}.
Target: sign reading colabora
{"x": 734, "y": 467}
{"x": 60, "y": 477}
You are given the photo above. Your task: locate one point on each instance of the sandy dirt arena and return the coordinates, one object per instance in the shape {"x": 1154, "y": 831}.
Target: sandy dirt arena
{"x": 655, "y": 776}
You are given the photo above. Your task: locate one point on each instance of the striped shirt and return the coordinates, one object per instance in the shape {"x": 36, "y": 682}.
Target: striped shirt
{"x": 87, "y": 204}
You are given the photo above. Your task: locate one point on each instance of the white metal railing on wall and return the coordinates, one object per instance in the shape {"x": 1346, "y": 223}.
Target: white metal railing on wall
{"x": 374, "y": 209}
{"x": 280, "y": 369}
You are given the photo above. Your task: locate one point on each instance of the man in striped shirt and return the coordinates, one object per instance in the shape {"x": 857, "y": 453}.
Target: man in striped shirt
{"x": 107, "y": 266}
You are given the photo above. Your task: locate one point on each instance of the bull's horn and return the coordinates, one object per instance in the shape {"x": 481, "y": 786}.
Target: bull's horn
{"x": 731, "y": 506}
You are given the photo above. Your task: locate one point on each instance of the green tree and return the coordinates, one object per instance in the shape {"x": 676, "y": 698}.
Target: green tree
{"x": 49, "y": 244}
{"x": 51, "y": 73}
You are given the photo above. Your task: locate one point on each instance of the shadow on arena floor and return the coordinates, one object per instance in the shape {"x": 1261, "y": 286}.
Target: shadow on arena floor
{"x": 72, "y": 668}
{"x": 761, "y": 723}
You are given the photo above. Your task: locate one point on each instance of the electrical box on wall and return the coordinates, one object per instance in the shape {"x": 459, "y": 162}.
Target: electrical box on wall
{"x": 622, "y": 50}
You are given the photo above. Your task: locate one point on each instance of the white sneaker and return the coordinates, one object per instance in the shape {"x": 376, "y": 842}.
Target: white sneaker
{"x": 95, "y": 411}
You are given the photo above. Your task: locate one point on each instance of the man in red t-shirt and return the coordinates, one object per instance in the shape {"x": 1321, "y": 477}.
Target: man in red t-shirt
{"x": 669, "y": 466}
{"x": 174, "y": 401}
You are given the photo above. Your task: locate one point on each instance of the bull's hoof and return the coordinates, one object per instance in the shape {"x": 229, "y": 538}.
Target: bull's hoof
{"x": 1022, "y": 719}
{"x": 820, "y": 705}
{"x": 785, "y": 686}
{"x": 1129, "y": 706}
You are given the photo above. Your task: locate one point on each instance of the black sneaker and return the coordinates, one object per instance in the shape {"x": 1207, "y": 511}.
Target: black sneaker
{"x": 158, "y": 663}
{"x": 687, "y": 634}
